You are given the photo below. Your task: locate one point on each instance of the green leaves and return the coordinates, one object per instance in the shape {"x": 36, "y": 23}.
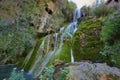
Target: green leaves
{"x": 110, "y": 30}
{"x": 110, "y": 36}
{"x": 48, "y": 73}
{"x": 16, "y": 75}
{"x": 102, "y": 10}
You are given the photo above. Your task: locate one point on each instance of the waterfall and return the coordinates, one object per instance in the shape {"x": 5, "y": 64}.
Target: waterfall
{"x": 62, "y": 37}
{"x": 36, "y": 64}
{"x": 50, "y": 54}
{"x": 61, "y": 29}
{"x": 45, "y": 62}
{"x": 70, "y": 30}
{"x": 50, "y": 46}
{"x": 77, "y": 14}
{"x": 72, "y": 27}
{"x": 43, "y": 58}
{"x": 56, "y": 41}
{"x": 72, "y": 57}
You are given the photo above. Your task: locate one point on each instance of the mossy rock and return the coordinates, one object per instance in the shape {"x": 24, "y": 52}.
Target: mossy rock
{"x": 63, "y": 53}
{"x": 86, "y": 41}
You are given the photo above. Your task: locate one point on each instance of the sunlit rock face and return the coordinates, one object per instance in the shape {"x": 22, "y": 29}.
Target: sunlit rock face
{"x": 93, "y": 71}
{"x": 50, "y": 7}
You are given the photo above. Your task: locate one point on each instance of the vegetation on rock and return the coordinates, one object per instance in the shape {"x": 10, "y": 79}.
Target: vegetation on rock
{"x": 102, "y": 10}
{"x": 26, "y": 24}
{"x": 86, "y": 40}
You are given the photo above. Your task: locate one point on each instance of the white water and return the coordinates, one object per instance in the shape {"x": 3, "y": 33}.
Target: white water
{"x": 72, "y": 57}
{"x": 56, "y": 41}
{"x": 50, "y": 54}
{"x": 69, "y": 31}
{"x": 72, "y": 27}
{"x": 45, "y": 62}
{"x": 77, "y": 14}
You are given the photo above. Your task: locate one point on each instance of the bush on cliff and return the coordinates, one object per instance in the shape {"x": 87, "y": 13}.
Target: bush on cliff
{"x": 110, "y": 36}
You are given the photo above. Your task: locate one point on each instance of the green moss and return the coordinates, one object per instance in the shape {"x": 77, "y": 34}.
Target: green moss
{"x": 63, "y": 54}
{"x": 86, "y": 41}
{"x": 34, "y": 55}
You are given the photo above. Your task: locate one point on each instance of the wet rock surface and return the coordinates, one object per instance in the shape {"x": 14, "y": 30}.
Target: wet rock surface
{"x": 93, "y": 71}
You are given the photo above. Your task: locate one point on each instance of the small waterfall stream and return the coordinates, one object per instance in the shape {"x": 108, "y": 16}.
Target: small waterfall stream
{"x": 72, "y": 57}
{"x": 39, "y": 57}
{"x": 56, "y": 41}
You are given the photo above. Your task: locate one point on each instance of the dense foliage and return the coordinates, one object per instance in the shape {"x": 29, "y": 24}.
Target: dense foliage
{"x": 17, "y": 29}
{"x": 48, "y": 74}
{"x": 102, "y": 10}
{"x": 17, "y": 75}
{"x": 111, "y": 29}
{"x": 110, "y": 36}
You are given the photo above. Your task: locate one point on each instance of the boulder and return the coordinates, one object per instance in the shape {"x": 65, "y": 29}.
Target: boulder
{"x": 93, "y": 71}
{"x": 58, "y": 62}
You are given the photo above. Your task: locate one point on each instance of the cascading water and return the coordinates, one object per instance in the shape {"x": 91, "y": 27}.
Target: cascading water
{"x": 50, "y": 54}
{"x": 62, "y": 37}
{"x": 38, "y": 61}
{"x": 56, "y": 41}
{"x": 72, "y": 27}
{"x": 44, "y": 53}
{"x": 42, "y": 60}
{"x": 72, "y": 57}
{"x": 77, "y": 14}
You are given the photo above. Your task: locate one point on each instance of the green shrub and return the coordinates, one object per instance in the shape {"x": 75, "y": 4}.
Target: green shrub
{"x": 110, "y": 36}
{"x": 15, "y": 36}
{"x": 18, "y": 23}
{"x": 102, "y": 10}
{"x": 16, "y": 75}
{"x": 111, "y": 54}
{"x": 48, "y": 73}
{"x": 111, "y": 29}
{"x": 63, "y": 74}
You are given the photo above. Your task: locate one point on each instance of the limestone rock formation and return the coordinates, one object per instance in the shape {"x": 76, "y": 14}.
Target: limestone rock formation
{"x": 93, "y": 71}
